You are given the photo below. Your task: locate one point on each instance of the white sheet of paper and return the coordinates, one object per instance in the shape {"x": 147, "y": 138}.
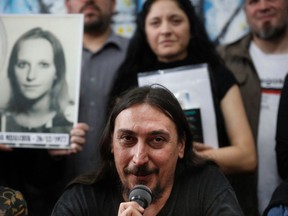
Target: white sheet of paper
{"x": 191, "y": 86}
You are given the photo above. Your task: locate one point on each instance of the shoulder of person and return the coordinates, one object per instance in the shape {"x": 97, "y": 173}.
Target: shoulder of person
{"x": 208, "y": 170}
{"x": 121, "y": 40}
{"x": 233, "y": 47}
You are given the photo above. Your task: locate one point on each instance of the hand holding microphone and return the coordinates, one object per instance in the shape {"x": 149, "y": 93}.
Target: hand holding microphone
{"x": 140, "y": 194}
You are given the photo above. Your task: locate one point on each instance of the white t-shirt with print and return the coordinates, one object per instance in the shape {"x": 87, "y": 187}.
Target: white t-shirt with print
{"x": 271, "y": 70}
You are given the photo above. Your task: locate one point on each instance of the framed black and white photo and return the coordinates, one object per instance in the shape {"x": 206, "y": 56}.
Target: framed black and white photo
{"x": 39, "y": 79}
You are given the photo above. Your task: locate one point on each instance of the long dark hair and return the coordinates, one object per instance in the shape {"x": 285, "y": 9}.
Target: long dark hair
{"x": 140, "y": 57}
{"x": 199, "y": 47}
{"x": 156, "y": 96}
{"x": 59, "y": 92}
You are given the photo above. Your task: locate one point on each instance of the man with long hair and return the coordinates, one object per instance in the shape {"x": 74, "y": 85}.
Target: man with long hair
{"x": 147, "y": 140}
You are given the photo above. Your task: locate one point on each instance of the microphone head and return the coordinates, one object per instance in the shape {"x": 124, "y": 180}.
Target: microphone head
{"x": 141, "y": 194}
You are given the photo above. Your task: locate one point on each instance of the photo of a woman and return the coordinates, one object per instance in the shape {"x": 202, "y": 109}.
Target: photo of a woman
{"x": 36, "y": 71}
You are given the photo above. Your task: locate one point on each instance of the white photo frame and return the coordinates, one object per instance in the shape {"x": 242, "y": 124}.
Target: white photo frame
{"x": 68, "y": 29}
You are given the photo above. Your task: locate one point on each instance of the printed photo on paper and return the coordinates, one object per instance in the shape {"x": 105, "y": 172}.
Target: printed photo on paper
{"x": 39, "y": 79}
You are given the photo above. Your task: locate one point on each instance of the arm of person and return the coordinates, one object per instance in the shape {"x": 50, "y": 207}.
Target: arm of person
{"x": 282, "y": 157}
{"x": 240, "y": 156}
{"x": 282, "y": 133}
{"x": 77, "y": 139}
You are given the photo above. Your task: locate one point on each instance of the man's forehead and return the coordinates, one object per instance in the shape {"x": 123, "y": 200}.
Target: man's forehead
{"x": 136, "y": 110}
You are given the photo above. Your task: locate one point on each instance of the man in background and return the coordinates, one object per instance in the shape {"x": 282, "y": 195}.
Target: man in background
{"x": 259, "y": 62}
{"x": 103, "y": 52}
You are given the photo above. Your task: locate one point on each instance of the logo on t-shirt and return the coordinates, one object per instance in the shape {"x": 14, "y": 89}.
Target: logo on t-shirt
{"x": 272, "y": 85}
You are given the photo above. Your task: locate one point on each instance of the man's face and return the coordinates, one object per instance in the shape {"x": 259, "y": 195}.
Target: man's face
{"x": 268, "y": 19}
{"x": 146, "y": 148}
{"x": 97, "y": 13}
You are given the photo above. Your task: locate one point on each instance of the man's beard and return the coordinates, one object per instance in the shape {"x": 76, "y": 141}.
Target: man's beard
{"x": 97, "y": 26}
{"x": 269, "y": 32}
{"x": 157, "y": 192}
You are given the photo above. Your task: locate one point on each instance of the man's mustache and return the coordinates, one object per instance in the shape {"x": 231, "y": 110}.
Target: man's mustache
{"x": 140, "y": 171}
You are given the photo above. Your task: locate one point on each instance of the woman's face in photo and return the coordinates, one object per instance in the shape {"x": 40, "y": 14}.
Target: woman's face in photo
{"x": 35, "y": 70}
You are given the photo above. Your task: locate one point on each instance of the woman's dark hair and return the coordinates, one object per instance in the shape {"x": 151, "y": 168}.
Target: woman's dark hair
{"x": 17, "y": 102}
{"x": 141, "y": 58}
{"x": 199, "y": 47}
{"x": 156, "y": 96}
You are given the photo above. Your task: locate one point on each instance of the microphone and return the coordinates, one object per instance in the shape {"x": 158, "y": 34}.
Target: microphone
{"x": 141, "y": 194}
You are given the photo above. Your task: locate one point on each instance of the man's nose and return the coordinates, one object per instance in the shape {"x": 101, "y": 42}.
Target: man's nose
{"x": 140, "y": 156}
{"x": 264, "y": 4}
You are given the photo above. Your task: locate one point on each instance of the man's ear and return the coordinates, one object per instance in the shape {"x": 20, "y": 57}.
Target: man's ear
{"x": 181, "y": 148}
